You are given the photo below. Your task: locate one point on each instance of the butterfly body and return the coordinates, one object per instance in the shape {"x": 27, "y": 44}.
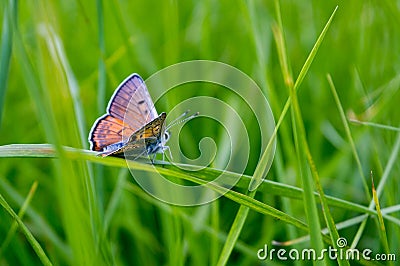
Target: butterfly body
{"x": 131, "y": 127}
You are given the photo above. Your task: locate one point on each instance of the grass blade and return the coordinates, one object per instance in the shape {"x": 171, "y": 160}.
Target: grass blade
{"x": 21, "y": 214}
{"x": 266, "y": 160}
{"x": 31, "y": 239}
{"x": 380, "y": 219}
{"x": 101, "y": 91}
{"x": 348, "y": 133}
{"x": 206, "y": 175}
{"x": 5, "y": 56}
{"x": 48, "y": 232}
{"x": 299, "y": 133}
{"x": 258, "y": 173}
{"x": 376, "y": 125}
{"x": 388, "y": 168}
{"x": 234, "y": 233}
{"x": 73, "y": 178}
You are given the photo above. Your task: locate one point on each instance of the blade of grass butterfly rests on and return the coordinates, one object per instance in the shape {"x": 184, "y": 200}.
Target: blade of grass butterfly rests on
{"x": 206, "y": 175}
{"x": 243, "y": 199}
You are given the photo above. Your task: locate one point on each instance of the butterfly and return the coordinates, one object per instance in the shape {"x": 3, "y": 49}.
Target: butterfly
{"x": 131, "y": 127}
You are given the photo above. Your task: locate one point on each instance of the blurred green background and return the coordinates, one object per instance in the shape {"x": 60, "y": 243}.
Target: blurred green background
{"x": 62, "y": 60}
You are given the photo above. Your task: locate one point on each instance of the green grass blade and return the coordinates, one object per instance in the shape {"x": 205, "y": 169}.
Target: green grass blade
{"x": 394, "y": 155}
{"x": 376, "y": 125}
{"x": 73, "y": 178}
{"x": 215, "y": 223}
{"x": 234, "y": 233}
{"x": 101, "y": 99}
{"x": 206, "y": 175}
{"x": 21, "y": 214}
{"x": 221, "y": 237}
{"x": 32, "y": 81}
{"x": 258, "y": 173}
{"x": 185, "y": 175}
{"x": 304, "y": 155}
{"x": 138, "y": 49}
{"x": 5, "y": 56}
{"x": 266, "y": 158}
{"x": 381, "y": 223}
{"x": 386, "y": 174}
{"x": 38, "y": 221}
{"x": 281, "y": 44}
{"x": 348, "y": 133}
{"x": 31, "y": 239}
{"x": 299, "y": 133}
{"x": 101, "y": 91}
{"x": 309, "y": 202}
{"x": 387, "y": 169}
{"x": 114, "y": 200}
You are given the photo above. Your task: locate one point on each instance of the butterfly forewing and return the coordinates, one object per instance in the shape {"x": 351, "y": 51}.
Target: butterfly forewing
{"x": 128, "y": 110}
{"x": 131, "y": 103}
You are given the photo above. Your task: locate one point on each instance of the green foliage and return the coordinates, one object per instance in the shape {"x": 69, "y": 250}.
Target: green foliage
{"x": 61, "y": 61}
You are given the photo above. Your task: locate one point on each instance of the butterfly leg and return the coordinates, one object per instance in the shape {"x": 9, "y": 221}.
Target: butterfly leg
{"x": 169, "y": 151}
{"x": 139, "y": 155}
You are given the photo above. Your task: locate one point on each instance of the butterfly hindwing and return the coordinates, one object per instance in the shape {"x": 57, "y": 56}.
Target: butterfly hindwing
{"x": 150, "y": 130}
{"x": 145, "y": 140}
{"x": 108, "y": 130}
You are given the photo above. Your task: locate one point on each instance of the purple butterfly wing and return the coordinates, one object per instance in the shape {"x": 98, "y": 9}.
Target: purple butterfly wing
{"x": 131, "y": 103}
{"x": 129, "y": 109}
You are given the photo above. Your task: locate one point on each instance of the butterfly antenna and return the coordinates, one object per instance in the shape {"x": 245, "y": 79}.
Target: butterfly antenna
{"x": 179, "y": 117}
{"x": 178, "y": 120}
